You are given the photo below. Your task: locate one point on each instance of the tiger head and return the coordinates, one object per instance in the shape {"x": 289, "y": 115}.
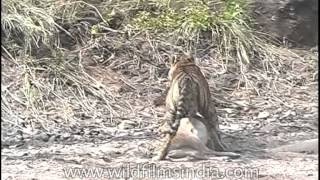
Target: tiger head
{"x": 178, "y": 61}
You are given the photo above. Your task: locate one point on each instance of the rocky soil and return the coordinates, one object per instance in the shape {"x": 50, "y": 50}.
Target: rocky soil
{"x": 282, "y": 111}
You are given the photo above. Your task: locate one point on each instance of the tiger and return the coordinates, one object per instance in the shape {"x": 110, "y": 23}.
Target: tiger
{"x": 188, "y": 94}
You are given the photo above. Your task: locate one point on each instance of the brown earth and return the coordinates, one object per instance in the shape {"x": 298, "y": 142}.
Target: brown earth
{"x": 253, "y": 123}
{"x": 285, "y": 111}
{"x": 293, "y": 22}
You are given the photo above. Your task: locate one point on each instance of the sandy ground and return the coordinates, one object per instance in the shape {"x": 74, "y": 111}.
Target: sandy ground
{"x": 253, "y": 123}
{"x": 98, "y": 146}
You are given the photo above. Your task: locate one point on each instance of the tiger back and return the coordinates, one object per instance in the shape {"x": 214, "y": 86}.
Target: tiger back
{"x": 189, "y": 91}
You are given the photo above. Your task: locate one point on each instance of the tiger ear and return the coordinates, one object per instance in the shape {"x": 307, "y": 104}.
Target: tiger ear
{"x": 173, "y": 60}
{"x": 188, "y": 56}
{"x": 191, "y": 59}
{"x": 167, "y": 60}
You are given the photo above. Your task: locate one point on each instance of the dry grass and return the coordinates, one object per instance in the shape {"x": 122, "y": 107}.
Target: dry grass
{"x": 57, "y": 90}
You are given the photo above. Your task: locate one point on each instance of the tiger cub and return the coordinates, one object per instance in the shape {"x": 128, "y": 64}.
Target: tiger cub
{"x": 187, "y": 96}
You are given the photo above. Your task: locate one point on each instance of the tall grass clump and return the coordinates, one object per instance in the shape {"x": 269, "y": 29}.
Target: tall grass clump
{"x": 27, "y": 25}
{"x": 228, "y": 24}
{"x": 227, "y": 21}
{"x": 58, "y": 74}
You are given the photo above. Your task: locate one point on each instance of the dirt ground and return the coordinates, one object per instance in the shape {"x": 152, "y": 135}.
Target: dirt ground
{"x": 284, "y": 110}
{"x": 293, "y": 22}
{"x": 251, "y": 123}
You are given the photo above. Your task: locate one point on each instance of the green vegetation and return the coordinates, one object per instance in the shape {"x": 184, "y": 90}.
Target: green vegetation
{"x": 227, "y": 20}
{"x": 194, "y": 15}
{"x": 34, "y": 22}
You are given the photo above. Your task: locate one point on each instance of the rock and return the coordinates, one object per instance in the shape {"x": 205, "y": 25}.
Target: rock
{"x": 76, "y": 137}
{"x": 307, "y": 146}
{"x": 139, "y": 133}
{"x": 286, "y": 114}
{"x": 42, "y": 136}
{"x": 263, "y": 115}
{"x": 127, "y": 124}
{"x": 52, "y": 138}
{"x": 65, "y": 136}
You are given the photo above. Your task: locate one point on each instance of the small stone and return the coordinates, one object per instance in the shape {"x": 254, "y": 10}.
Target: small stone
{"x": 126, "y": 124}
{"x": 228, "y": 110}
{"x": 263, "y": 115}
{"x": 77, "y": 137}
{"x": 287, "y": 114}
{"x": 52, "y": 138}
{"x": 99, "y": 121}
{"x": 66, "y": 136}
{"x": 293, "y": 113}
{"x": 42, "y": 136}
{"x": 139, "y": 133}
